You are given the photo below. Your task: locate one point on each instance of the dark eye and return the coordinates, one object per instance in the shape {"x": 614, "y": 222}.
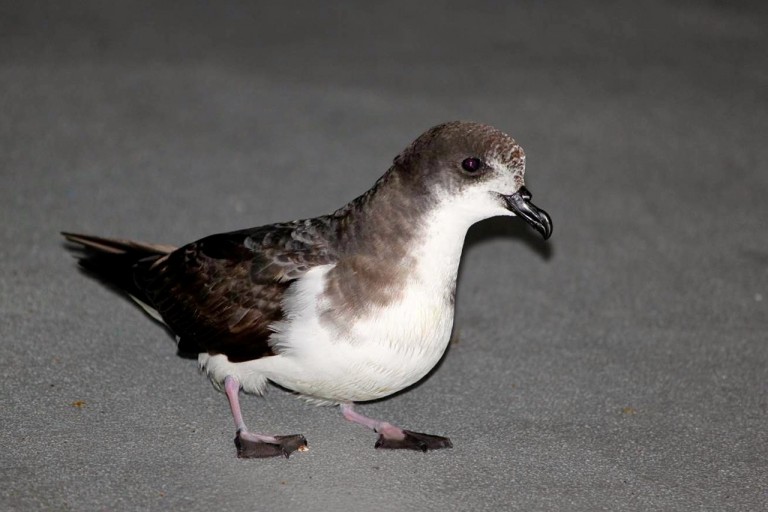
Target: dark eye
{"x": 472, "y": 164}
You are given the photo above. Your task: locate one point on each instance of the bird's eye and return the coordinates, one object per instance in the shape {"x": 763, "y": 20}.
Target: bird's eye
{"x": 472, "y": 165}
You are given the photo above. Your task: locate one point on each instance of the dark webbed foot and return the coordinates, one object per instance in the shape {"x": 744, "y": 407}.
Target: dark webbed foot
{"x": 251, "y": 446}
{"x": 413, "y": 441}
{"x": 395, "y": 438}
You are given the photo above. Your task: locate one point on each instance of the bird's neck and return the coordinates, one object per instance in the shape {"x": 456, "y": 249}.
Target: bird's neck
{"x": 385, "y": 221}
{"x": 394, "y": 248}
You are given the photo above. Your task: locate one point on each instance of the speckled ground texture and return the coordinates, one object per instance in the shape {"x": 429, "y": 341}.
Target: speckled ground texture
{"x": 621, "y": 366}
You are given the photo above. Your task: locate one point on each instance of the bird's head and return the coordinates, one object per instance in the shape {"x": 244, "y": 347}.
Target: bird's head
{"x": 474, "y": 168}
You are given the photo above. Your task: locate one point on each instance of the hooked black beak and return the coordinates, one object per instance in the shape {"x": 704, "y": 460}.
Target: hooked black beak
{"x": 520, "y": 203}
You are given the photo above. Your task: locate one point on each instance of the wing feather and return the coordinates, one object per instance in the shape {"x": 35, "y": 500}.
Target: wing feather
{"x": 222, "y": 293}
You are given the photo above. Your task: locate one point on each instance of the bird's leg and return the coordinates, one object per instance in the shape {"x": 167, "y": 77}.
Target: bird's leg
{"x": 251, "y": 444}
{"x": 393, "y": 437}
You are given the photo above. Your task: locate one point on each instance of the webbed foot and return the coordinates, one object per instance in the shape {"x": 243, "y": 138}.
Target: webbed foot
{"x": 251, "y": 446}
{"x": 412, "y": 441}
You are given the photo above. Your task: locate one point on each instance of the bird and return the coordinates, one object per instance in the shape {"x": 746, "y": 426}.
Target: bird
{"x": 343, "y": 308}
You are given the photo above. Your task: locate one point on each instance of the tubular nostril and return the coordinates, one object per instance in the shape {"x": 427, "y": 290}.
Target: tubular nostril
{"x": 524, "y": 193}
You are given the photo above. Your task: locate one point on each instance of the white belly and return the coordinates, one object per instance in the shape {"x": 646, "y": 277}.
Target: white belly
{"x": 385, "y": 352}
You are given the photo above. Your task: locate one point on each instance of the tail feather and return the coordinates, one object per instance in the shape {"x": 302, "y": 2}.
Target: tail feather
{"x": 116, "y": 245}
{"x": 114, "y": 261}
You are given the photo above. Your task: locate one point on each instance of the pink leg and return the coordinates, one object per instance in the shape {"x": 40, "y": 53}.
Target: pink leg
{"x": 251, "y": 444}
{"x": 394, "y": 437}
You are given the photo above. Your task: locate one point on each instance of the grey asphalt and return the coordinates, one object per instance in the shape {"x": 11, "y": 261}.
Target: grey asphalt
{"x": 623, "y": 365}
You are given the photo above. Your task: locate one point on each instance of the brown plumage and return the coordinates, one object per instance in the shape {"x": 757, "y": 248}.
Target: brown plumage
{"x": 219, "y": 294}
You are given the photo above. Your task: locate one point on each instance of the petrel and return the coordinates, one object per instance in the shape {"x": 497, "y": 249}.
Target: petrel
{"x": 343, "y": 308}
